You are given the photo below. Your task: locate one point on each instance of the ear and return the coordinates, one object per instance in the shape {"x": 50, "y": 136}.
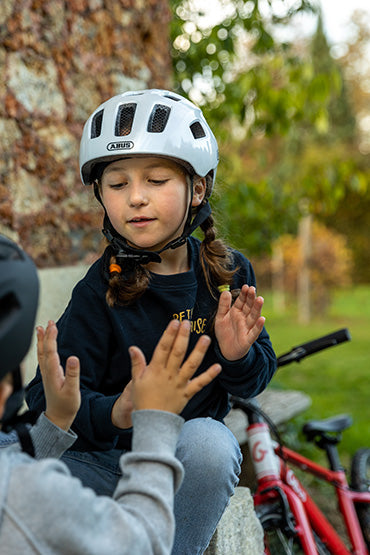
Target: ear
{"x": 199, "y": 190}
{"x": 5, "y": 391}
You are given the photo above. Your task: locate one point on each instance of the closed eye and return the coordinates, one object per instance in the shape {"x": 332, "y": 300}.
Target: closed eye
{"x": 116, "y": 185}
{"x": 158, "y": 181}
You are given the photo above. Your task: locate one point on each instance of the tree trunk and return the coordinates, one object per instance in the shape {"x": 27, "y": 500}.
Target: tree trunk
{"x": 278, "y": 290}
{"x": 304, "y": 281}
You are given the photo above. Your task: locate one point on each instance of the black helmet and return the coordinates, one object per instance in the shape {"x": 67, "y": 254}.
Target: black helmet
{"x": 19, "y": 291}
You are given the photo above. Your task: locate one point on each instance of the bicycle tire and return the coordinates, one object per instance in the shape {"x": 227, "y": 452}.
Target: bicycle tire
{"x": 279, "y": 540}
{"x": 360, "y": 481}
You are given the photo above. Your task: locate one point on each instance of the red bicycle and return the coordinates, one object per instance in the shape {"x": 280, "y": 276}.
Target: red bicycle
{"x": 292, "y": 521}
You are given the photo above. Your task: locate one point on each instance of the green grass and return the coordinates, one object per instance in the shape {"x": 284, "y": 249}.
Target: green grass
{"x": 337, "y": 379}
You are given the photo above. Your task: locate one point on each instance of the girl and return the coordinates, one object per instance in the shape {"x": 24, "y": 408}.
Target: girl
{"x": 152, "y": 158}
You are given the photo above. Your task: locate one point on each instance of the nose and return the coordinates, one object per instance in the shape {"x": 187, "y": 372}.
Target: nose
{"x": 137, "y": 193}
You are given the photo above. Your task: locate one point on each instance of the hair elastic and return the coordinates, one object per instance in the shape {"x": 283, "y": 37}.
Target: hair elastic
{"x": 115, "y": 268}
{"x": 223, "y": 288}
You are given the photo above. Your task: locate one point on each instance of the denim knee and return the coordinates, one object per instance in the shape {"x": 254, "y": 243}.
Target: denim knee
{"x": 208, "y": 447}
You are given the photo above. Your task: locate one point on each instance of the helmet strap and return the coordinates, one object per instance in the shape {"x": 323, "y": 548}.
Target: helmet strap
{"x": 124, "y": 253}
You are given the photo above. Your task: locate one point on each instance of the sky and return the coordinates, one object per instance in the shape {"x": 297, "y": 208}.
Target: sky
{"x": 336, "y": 16}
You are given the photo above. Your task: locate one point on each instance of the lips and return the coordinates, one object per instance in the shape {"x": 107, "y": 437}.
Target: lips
{"x": 142, "y": 219}
{"x": 140, "y": 222}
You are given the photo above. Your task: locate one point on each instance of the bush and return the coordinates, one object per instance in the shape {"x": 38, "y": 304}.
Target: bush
{"x": 330, "y": 266}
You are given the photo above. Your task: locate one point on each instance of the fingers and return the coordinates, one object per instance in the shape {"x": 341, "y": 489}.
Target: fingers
{"x": 179, "y": 347}
{"x": 138, "y": 362}
{"x": 169, "y": 352}
{"x": 249, "y": 304}
{"x": 72, "y": 373}
{"x": 196, "y": 384}
{"x": 165, "y": 344}
{"x": 40, "y": 334}
{"x": 47, "y": 348}
{"x": 256, "y": 329}
{"x": 195, "y": 358}
{"x": 224, "y": 304}
{"x": 172, "y": 346}
{"x": 246, "y": 297}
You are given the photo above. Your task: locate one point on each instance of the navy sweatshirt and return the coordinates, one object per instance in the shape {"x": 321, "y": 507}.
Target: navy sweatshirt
{"x": 100, "y": 336}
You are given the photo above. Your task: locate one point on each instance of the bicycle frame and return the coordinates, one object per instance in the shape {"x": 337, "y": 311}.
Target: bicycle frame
{"x": 275, "y": 483}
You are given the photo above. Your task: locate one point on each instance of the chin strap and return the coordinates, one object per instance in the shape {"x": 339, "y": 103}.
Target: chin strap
{"x": 25, "y": 439}
{"x": 20, "y": 423}
{"x": 123, "y": 251}
{"x": 126, "y": 254}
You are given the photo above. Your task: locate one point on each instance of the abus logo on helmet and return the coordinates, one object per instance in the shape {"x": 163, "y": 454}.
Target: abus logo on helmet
{"x": 121, "y": 145}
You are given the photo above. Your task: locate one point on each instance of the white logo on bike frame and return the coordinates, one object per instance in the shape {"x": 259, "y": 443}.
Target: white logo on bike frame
{"x": 295, "y": 485}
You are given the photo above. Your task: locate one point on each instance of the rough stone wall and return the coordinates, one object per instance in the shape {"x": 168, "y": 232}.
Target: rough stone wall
{"x": 59, "y": 59}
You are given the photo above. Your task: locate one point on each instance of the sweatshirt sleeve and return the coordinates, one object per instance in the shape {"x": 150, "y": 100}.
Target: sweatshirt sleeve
{"x": 69, "y": 518}
{"x": 250, "y": 375}
{"x": 84, "y": 330}
{"x": 49, "y": 440}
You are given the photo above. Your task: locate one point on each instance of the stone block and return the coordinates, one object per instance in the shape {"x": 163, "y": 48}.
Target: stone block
{"x": 239, "y": 531}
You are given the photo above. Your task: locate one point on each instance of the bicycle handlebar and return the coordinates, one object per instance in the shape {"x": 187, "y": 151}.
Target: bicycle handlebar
{"x": 305, "y": 349}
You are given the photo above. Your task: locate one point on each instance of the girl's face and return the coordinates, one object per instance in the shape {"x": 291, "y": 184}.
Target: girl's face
{"x": 146, "y": 199}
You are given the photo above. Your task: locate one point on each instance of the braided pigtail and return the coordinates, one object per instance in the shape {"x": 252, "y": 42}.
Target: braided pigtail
{"x": 215, "y": 259}
{"x": 125, "y": 284}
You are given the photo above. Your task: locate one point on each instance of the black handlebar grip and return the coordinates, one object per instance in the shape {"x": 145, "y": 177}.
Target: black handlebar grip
{"x": 305, "y": 349}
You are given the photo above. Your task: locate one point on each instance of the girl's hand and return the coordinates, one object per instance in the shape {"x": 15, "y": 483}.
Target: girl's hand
{"x": 62, "y": 391}
{"x": 165, "y": 383}
{"x": 238, "y": 326}
{"x": 122, "y": 409}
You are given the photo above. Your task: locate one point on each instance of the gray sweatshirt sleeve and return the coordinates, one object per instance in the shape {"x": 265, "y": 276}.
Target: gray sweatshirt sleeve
{"x": 49, "y": 440}
{"x": 69, "y": 518}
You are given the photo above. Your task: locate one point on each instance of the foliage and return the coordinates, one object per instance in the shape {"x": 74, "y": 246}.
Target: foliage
{"x": 281, "y": 113}
{"x": 330, "y": 265}
{"x": 352, "y": 218}
{"x": 238, "y": 72}
{"x": 352, "y": 214}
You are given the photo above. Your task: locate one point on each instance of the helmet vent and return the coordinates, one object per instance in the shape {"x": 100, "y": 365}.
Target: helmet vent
{"x": 96, "y": 124}
{"x": 125, "y": 119}
{"x": 158, "y": 118}
{"x": 197, "y": 130}
{"x": 173, "y": 97}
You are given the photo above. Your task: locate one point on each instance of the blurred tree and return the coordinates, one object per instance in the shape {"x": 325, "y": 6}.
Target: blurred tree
{"x": 253, "y": 89}
{"x": 322, "y": 164}
{"x": 352, "y": 215}
{"x": 281, "y": 113}
{"x": 235, "y": 69}
{"x": 330, "y": 261}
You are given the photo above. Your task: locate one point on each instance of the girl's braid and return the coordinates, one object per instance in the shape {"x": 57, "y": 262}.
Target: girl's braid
{"x": 215, "y": 259}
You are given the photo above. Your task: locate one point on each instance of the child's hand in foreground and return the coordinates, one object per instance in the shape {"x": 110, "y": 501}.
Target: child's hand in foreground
{"x": 62, "y": 391}
{"x": 165, "y": 383}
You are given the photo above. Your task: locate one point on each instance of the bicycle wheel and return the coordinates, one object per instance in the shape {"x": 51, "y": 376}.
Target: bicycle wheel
{"x": 278, "y": 537}
{"x": 360, "y": 480}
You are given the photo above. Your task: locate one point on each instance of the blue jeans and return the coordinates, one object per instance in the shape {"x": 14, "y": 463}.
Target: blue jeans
{"x": 211, "y": 457}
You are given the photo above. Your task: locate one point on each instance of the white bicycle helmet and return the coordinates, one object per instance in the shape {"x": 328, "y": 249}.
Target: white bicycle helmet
{"x": 149, "y": 122}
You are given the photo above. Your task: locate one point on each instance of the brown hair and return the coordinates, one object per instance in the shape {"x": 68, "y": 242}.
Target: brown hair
{"x": 124, "y": 288}
{"x": 215, "y": 258}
